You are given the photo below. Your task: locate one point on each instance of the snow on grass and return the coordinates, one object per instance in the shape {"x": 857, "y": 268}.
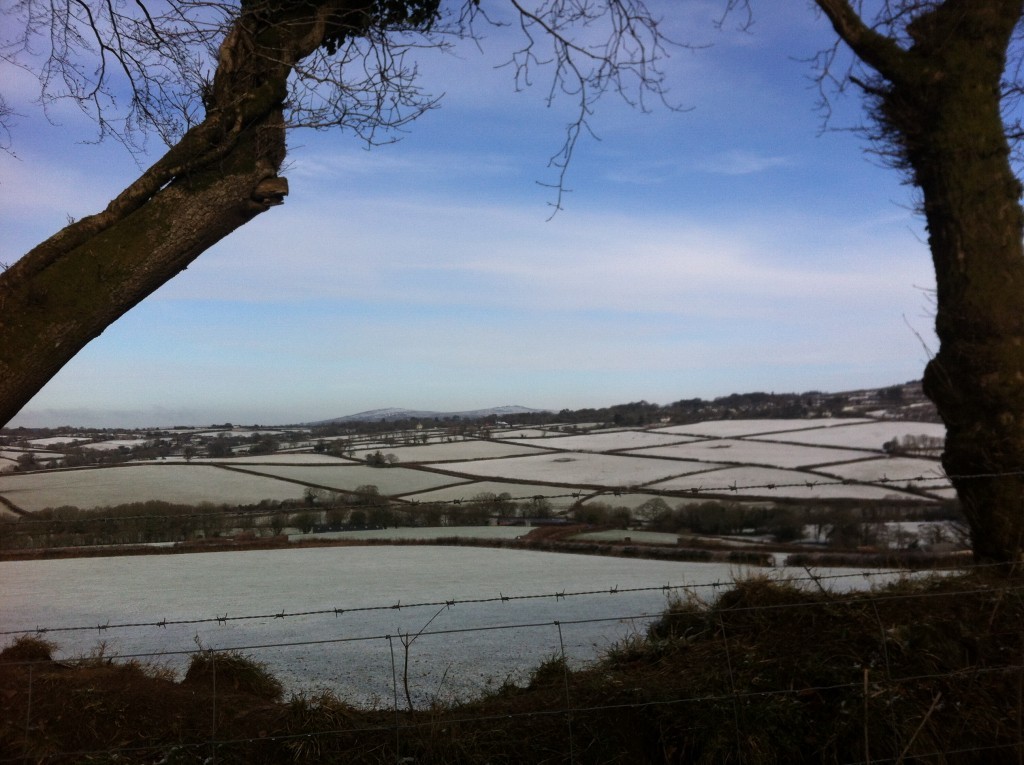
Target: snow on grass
{"x": 454, "y": 451}
{"x": 755, "y": 453}
{"x": 609, "y": 441}
{"x": 629, "y": 535}
{"x": 757, "y": 482}
{"x": 903, "y": 469}
{"x": 296, "y": 458}
{"x": 116, "y": 590}
{"x": 100, "y": 487}
{"x": 7, "y": 465}
{"x": 865, "y": 435}
{"x": 55, "y": 440}
{"x": 560, "y": 497}
{"x": 108, "y": 446}
{"x": 521, "y": 433}
{"x": 577, "y": 469}
{"x": 388, "y": 480}
{"x": 738, "y": 428}
{"x": 13, "y": 454}
{"x": 432, "y": 532}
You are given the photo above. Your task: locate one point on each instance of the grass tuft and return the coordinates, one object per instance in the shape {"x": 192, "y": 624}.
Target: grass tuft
{"x": 224, "y": 670}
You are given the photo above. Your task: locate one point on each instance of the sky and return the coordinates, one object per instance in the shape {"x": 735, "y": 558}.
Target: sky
{"x": 729, "y": 246}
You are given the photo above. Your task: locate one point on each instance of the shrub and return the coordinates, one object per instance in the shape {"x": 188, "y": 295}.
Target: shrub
{"x": 26, "y": 649}
{"x": 227, "y": 669}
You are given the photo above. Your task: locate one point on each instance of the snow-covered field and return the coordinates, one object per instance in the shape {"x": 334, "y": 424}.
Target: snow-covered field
{"x": 893, "y": 468}
{"x": 107, "y": 446}
{"x": 773, "y": 482}
{"x": 709, "y": 456}
{"x": 355, "y": 657}
{"x": 870, "y": 434}
{"x": 576, "y": 468}
{"x": 736, "y": 428}
{"x": 187, "y": 484}
{"x": 606, "y": 442}
{"x": 755, "y": 453}
{"x": 560, "y": 497}
{"x": 389, "y": 480}
{"x": 456, "y": 450}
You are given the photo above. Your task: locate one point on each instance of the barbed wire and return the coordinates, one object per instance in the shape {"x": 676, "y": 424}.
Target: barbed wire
{"x": 405, "y": 725}
{"x": 817, "y": 579}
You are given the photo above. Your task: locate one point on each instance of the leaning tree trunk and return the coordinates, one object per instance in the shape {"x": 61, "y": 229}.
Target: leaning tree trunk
{"x": 221, "y": 174}
{"x": 57, "y": 298}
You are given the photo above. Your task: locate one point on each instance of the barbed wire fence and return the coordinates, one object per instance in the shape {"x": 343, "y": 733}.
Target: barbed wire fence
{"x": 865, "y": 683}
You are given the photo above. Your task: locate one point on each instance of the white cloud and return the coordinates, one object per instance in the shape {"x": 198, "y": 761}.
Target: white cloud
{"x": 739, "y": 162}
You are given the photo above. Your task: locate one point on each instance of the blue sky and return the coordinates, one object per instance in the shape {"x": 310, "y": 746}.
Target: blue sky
{"x": 730, "y": 247}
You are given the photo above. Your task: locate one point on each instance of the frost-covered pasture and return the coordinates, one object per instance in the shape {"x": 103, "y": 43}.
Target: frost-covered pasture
{"x": 710, "y": 457}
{"x": 522, "y": 433}
{"x": 576, "y": 468}
{"x": 453, "y": 451}
{"x": 58, "y": 440}
{"x": 354, "y": 661}
{"x": 412, "y": 533}
{"x": 746, "y": 428}
{"x": 906, "y": 469}
{"x": 739, "y": 451}
{"x": 463, "y": 492}
{"x": 393, "y": 481}
{"x": 177, "y": 483}
{"x": 115, "y": 444}
{"x": 292, "y": 458}
{"x": 870, "y": 434}
{"x": 768, "y": 483}
{"x": 609, "y": 441}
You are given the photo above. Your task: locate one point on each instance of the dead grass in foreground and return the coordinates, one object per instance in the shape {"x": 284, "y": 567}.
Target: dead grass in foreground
{"x": 917, "y": 672}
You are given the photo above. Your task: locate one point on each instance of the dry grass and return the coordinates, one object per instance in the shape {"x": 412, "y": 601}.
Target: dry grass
{"x": 918, "y": 672}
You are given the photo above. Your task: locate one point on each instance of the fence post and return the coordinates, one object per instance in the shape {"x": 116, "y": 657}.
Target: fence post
{"x": 568, "y": 702}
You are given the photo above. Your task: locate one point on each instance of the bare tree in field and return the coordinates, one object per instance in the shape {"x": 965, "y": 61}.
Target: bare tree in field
{"x": 221, "y": 83}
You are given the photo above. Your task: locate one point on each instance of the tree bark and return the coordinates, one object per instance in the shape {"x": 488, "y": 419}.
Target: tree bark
{"x": 940, "y": 109}
{"x": 222, "y": 173}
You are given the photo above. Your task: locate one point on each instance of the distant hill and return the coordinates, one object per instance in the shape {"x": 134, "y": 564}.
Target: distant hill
{"x": 393, "y": 414}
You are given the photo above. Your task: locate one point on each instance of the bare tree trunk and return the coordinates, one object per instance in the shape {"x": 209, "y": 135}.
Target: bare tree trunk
{"x": 55, "y": 300}
{"x": 949, "y": 117}
{"x": 937, "y": 103}
{"x": 221, "y": 174}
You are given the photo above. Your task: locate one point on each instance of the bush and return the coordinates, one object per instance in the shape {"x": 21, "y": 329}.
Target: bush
{"x": 27, "y": 649}
{"x": 227, "y": 669}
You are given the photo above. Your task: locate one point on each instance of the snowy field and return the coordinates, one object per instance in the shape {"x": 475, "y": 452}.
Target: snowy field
{"x": 298, "y": 458}
{"x": 756, "y": 453}
{"x": 354, "y": 659}
{"x": 576, "y": 468}
{"x": 450, "y": 452}
{"x": 560, "y": 497}
{"x": 389, "y": 480}
{"x": 714, "y": 455}
{"x": 432, "y": 532}
{"x": 109, "y": 446}
{"x": 893, "y": 468}
{"x": 187, "y": 484}
{"x": 867, "y": 435}
{"x": 605, "y": 442}
{"x": 773, "y": 482}
{"x": 737, "y": 428}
